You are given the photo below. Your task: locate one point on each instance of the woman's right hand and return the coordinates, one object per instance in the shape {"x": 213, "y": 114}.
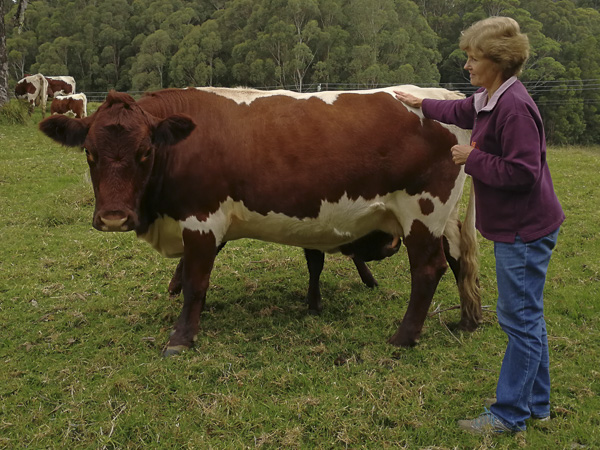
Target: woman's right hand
{"x": 409, "y": 99}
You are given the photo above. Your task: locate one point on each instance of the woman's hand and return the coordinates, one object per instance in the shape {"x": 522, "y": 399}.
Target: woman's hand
{"x": 409, "y": 99}
{"x": 460, "y": 153}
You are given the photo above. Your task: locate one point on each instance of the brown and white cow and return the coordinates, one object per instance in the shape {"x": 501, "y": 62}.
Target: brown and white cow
{"x": 190, "y": 169}
{"x": 61, "y": 85}
{"x": 34, "y": 89}
{"x": 75, "y": 104}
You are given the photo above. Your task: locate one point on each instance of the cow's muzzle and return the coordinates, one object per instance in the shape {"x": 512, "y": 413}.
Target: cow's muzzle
{"x": 114, "y": 221}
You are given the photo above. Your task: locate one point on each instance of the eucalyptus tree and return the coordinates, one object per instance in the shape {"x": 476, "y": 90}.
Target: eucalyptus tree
{"x": 571, "y": 102}
{"x": 197, "y": 61}
{"x": 21, "y": 50}
{"x": 391, "y": 43}
{"x": 149, "y": 69}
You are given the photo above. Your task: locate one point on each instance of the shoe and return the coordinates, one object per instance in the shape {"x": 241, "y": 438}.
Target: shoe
{"x": 485, "y": 423}
{"x": 541, "y": 419}
{"x": 488, "y": 402}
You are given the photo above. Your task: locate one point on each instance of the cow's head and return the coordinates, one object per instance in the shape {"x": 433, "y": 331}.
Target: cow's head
{"x": 122, "y": 143}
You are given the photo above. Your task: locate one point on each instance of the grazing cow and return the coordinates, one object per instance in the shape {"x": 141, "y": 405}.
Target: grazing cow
{"x": 190, "y": 169}
{"x": 34, "y": 89}
{"x": 75, "y": 104}
{"x": 62, "y": 85}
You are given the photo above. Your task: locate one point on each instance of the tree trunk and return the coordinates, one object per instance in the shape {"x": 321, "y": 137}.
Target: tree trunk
{"x": 20, "y": 15}
{"x": 3, "y": 59}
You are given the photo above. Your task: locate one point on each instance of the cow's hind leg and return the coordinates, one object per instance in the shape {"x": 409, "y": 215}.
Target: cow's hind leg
{"x": 176, "y": 281}
{"x": 315, "y": 260}
{"x": 199, "y": 253}
{"x": 427, "y": 265}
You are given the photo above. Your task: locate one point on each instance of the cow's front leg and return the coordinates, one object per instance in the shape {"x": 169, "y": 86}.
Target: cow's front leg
{"x": 427, "y": 265}
{"x": 175, "y": 285}
{"x": 315, "y": 260}
{"x": 199, "y": 253}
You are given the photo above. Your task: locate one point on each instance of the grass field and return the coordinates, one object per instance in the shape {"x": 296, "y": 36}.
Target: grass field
{"x": 84, "y": 315}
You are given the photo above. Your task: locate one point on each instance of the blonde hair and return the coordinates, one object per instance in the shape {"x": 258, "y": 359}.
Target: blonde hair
{"x": 499, "y": 39}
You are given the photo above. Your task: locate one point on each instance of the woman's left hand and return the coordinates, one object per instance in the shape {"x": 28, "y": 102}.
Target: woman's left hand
{"x": 460, "y": 153}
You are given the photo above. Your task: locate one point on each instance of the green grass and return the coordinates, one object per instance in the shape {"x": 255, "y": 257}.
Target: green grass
{"x": 84, "y": 315}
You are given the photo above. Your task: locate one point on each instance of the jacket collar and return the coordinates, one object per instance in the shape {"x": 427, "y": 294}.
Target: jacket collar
{"x": 481, "y": 102}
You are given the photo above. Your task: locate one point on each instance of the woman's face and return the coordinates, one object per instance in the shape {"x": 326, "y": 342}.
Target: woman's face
{"x": 483, "y": 71}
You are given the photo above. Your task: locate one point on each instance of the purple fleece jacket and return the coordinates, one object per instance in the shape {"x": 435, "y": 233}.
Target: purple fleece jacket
{"x": 514, "y": 194}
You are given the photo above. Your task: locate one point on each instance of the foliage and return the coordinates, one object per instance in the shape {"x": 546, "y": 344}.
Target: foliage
{"x": 137, "y": 45}
{"x": 84, "y": 315}
{"x": 14, "y": 112}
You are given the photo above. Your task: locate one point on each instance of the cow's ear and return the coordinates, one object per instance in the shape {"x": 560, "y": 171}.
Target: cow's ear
{"x": 65, "y": 130}
{"x": 172, "y": 130}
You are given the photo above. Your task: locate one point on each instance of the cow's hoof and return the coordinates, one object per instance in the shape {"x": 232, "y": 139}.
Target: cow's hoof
{"x": 400, "y": 340}
{"x": 371, "y": 283}
{"x": 314, "y": 312}
{"x": 468, "y": 325}
{"x": 314, "y": 306}
{"x": 173, "y": 350}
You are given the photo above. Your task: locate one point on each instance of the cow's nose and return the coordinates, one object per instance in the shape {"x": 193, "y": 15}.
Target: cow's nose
{"x": 110, "y": 223}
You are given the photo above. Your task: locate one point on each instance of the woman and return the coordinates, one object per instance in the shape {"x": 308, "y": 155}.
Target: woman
{"x": 516, "y": 206}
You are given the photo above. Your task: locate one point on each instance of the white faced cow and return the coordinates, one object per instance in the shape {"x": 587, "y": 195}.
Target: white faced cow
{"x": 188, "y": 170}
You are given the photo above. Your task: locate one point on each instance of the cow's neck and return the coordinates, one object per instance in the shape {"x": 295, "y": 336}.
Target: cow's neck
{"x": 151, "y": 205}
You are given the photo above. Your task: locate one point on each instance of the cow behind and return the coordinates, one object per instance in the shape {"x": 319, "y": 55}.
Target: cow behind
{"x": 34, "y": 89}
{"x": 75, "y": 104}
{"x": 190, "y": 169}
{"x": 60, "y": 85}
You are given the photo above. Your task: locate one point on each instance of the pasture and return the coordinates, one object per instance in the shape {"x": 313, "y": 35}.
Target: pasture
{"x": 84, "y": 316}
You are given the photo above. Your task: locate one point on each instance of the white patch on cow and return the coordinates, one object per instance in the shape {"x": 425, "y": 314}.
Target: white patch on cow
{"x": 164, "y": 235}
{"x": 338, "y": 223}
{"x": 248, "y": 95}
{"x": 452, "y": 234}
{"x": 67, "y": 79}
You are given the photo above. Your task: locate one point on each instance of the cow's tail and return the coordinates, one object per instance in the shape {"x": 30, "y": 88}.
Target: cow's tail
{"x": 468, "y": 279}
{"x": 43, "y": 93}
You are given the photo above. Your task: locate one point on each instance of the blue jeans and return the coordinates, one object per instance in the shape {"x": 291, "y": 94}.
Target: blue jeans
{"x": 523, "y": 388}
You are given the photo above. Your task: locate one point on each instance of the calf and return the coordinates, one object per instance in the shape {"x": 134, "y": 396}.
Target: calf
{"x": 75, "y": 104}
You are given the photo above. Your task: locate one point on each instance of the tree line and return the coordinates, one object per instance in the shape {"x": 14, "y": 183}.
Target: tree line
{"x": 139, "y": 45}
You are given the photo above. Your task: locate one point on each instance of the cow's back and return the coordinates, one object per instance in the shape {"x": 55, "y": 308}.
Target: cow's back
{"x": 361, "y": 145}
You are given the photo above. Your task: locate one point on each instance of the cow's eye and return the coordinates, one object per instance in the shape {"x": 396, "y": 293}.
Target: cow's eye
{"x": 89, "y": 155}
{"x": 146, "y": 155}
